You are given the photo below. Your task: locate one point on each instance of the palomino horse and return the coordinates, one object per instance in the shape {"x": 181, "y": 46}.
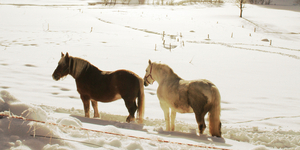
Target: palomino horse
{"x": 104, "y": 86}
{"x": 198, "y": 96}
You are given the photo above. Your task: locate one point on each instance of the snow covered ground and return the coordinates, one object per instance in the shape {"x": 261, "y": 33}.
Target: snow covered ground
{"x": 254, "y": 61}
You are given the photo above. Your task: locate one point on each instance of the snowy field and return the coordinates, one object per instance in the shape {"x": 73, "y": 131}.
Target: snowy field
{"x": 254, "y": 61}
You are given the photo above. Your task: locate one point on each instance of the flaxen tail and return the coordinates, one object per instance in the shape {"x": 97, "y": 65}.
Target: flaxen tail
{"x": 141, "y": 102}
{"x": 215, "y": 113}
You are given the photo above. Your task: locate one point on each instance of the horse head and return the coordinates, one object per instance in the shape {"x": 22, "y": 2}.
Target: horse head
{"x": 62, "y": 68}
{"x": 148, "y": 79}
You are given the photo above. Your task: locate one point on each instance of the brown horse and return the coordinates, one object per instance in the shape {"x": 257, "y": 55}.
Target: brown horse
{"x": 104, "y": 86}
{"x": 183, "y": 96}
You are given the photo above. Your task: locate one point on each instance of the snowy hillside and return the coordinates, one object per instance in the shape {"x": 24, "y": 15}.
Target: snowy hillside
{"x": 254, "y": 61}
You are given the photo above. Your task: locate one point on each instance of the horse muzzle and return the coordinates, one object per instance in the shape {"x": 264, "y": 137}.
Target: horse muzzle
{"x": 146, "y": 83}
{"x": 55, "y": 77}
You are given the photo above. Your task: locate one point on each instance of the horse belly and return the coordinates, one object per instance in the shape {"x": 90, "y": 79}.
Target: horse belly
{"x": 100, "y": 96}
{"x": 181, "y": 106}
{"x": 107, "y": 98}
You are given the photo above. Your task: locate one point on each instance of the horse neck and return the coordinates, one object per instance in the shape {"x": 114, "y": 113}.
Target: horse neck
{"x": 161, "y": 75}
{"x": 77, "y": 67}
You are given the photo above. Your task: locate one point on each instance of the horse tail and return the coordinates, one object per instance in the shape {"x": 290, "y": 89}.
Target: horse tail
{"x": 141, "y": 101}
{"x": 214, "y": 113}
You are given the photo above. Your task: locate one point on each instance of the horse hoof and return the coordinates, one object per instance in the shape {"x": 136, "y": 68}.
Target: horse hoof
{"x": 130, "y": 119}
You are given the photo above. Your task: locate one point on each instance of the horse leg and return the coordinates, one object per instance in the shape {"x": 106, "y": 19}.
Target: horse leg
{"x": 173, "y": 116}
{"x": 198, "y": 102}
{"x": 131, "y": 107}
{"x": 165, "y": 109}
{"x": 86, "y": 105}
{"x": 95, "y": 106}
{"x": 201, "y": 122}
{"x": 199, "y": 115}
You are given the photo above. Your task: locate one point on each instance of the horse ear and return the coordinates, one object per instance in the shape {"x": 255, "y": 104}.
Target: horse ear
{"x": 149, "y": 62}
{"x": 67, "y": 55}
{"x": 62, "y": 54}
